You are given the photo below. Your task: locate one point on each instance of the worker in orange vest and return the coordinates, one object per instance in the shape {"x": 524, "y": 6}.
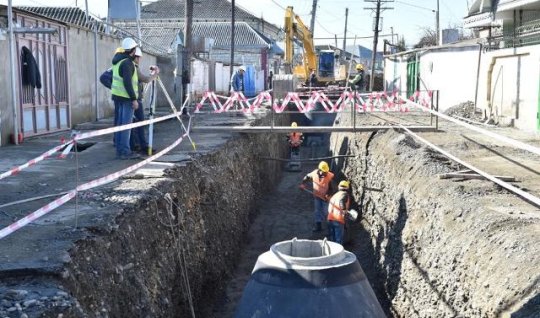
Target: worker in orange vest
{"x": 322, "y": 183}
{"x": 295, "y": 139}
{"x": 337, "y": 209}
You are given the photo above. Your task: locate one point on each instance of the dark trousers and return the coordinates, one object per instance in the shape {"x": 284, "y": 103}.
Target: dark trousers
{"x": 138, "y": 135}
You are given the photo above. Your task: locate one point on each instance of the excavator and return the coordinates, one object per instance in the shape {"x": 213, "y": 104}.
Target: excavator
{"x": 323, "y": 63}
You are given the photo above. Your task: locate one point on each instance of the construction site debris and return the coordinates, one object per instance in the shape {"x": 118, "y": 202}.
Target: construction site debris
{"x": 465, "y": 110}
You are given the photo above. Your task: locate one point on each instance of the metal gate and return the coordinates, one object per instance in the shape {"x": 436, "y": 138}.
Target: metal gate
{"x": 47, "y": 109}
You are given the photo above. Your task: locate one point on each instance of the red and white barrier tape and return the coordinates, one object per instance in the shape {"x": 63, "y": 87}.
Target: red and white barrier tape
{"x": 512, "y": 142}
{"x": 32, "y": 162}
{"x": 86, "y": 135}
{"x": 86, "y": 186}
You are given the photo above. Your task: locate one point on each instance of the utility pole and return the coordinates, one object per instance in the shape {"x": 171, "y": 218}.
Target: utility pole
{"x": 345, "y": 33}
{"x": 313, "y": 14}
{"x": 377, "y": 10}
{"x": 232, "y": 41}
{"x": 438, "y": 37}
{"x": 186, "y": 65}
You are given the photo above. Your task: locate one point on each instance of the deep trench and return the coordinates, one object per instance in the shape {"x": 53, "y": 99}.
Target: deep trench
{"x": 197, "y": 226}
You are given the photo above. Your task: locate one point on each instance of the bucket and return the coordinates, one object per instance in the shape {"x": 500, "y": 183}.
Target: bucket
{"x": 308, "y": 278}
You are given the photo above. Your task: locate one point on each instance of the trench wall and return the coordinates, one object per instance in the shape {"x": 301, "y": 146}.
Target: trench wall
{"x": 437, "y": 248}
{"x": 190, "y": 225}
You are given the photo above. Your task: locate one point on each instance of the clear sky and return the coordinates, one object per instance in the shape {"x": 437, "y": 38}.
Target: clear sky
{"x": 407, "y": 18}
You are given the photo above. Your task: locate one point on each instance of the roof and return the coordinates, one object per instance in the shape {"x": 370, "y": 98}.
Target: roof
{"x": 207, "y": 11}
{"x": 212, "y": 10}
{"x": 161, "y": 35}
{"x": 70, "y": 15}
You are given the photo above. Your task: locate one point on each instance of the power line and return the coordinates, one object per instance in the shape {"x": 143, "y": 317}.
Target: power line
{"x": 415, "y": 6}
{"x": 279, "y": 5}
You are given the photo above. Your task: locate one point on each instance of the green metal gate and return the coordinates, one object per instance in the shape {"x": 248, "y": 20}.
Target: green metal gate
{"x": 413, "y": 67}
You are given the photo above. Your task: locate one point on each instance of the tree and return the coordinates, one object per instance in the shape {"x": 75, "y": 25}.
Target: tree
{"x": 400, "y": 45}
{"x": 429, "y": 38}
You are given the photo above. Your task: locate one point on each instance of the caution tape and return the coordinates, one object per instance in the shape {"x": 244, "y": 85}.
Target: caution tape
{"x": 512, "y": 142}
{"x": 69, "y": 144}
{"x": 32, "y": 162}
{"x": 86, "y": 186}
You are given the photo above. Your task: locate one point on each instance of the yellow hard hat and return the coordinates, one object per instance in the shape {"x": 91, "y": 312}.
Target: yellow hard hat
{"x": 119, "y": 50}
{"x": 359, "y": 67}
{"x": 323, "y": 166}
{"x": 294, "y": 124}
{"x": 343, "y": 184}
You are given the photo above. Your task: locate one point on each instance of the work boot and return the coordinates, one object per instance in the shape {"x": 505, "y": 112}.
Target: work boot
{"x": 317, "y": 227}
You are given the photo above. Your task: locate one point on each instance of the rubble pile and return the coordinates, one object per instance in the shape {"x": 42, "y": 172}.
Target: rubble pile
{"x": 465, "y": 110}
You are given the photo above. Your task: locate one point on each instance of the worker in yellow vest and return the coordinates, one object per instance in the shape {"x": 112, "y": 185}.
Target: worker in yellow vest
{"x": 125, "y": 94}
{"x": 322, "y": 184}
{"x": 337, "y": 209}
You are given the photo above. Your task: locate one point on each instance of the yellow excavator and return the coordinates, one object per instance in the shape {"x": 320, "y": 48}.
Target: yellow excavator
{"x": 323, "y": 63}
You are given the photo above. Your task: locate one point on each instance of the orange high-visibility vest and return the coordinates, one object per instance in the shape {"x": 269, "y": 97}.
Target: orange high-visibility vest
{"x": 335, "y": 213}
{"x": 321, "y": 185}
{"x": 295, "y": 139}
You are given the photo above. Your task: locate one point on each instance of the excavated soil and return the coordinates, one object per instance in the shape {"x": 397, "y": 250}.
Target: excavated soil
{"x": 430, "y": 247}
{"x": 185, "y": 245}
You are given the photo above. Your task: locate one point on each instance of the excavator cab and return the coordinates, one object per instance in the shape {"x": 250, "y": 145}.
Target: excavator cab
{"x": 326, "y": 64}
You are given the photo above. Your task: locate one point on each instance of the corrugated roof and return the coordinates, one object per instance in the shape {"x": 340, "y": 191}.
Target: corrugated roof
{"x": 70, "y": 15}
{"x": 202, "y": 9}
{"x": 162, "y": 35}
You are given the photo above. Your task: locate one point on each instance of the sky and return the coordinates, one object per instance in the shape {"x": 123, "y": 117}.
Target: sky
{"x": 407, "y": 19}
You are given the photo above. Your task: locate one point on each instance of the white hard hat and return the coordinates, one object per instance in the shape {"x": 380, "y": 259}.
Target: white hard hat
{"x": 242, "y": 68}
{"x": 128, "y": 44}
{"x": 138, "y": 52}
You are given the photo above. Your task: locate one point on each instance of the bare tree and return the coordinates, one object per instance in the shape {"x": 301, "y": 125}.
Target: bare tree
{"x": 429, "y": 38}
{"x": 400, "y": 45}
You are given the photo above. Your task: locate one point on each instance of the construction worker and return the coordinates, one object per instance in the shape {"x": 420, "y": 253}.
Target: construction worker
{"x": 322, "y": 183}
{"x": 237, "y": 80}
{"x": 312, "y": 78}
{"x": 138, "y": 136}
{"x": 337, "y": 208}
{"x": 295, "y": 139}
{"x": 357, "y": 83}
{"x": 125, "y": 93}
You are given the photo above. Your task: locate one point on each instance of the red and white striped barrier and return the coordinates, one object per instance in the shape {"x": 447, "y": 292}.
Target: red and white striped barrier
{"x": 86, "y": 186}
{"x": 373, "y": 102}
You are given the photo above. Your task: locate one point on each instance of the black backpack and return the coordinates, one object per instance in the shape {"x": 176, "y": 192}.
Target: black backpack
{"x": 106, "y": 78}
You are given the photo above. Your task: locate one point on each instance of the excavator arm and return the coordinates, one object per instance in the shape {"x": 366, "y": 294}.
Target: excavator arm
{"x": 295, "y": 29}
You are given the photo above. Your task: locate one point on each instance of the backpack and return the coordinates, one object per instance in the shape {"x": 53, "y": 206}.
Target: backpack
{"x": 106, "y": 78}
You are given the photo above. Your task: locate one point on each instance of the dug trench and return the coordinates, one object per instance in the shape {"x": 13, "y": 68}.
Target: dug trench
{"x": 429, "y": 247}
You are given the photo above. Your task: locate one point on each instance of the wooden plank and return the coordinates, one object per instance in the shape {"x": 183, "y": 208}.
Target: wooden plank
{"x": 472, "y": 176}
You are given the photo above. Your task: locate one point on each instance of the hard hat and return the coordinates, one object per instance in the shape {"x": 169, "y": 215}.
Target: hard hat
{"x": 343, "y": 184}
{"x": 359, "y": 67}
{"x": 128, "y": 44}
{"x": 294, "y": 124}
{"x": 119, "y": 50}
{"x": 242, "y": 68}
{"x": 138, "y": 52}
{"x": 323, "y": 166}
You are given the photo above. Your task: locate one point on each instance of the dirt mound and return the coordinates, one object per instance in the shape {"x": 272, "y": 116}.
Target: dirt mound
{"x": 465, "y": 110}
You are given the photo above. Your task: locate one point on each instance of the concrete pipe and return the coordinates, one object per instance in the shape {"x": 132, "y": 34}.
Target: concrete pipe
{"x": 307, "y": 278}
